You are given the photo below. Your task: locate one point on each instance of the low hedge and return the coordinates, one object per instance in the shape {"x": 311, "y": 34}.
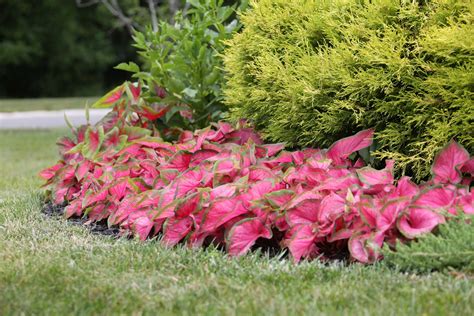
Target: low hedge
{"x": 310, "y": 72}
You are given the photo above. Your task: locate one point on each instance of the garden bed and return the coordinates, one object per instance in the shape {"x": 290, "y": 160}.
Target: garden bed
{"x": 99, "y": 227}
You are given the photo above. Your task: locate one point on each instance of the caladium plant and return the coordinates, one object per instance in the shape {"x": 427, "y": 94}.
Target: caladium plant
{"x": 223, "y": 185}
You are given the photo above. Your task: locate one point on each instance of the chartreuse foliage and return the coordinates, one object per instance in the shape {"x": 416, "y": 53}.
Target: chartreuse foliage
{"x": 451, "y": 247}
{"x": 310, "y": 72}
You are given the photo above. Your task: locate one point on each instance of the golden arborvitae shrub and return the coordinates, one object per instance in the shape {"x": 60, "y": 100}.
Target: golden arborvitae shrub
{"x": 308, "y": 72}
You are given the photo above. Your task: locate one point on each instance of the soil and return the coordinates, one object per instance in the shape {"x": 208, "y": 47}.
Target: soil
{"x": 101, "y": 227}
{"x": 268, "y": 247}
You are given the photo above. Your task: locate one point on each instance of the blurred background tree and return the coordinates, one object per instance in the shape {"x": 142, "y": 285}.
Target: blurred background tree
{"x": 53, "y": 48}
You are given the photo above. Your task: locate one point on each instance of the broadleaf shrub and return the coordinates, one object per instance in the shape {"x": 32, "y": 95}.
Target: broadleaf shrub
{"x": 182, "y": 62}
{"x": 223, "y": 185}
{"x": 310, "y": 72}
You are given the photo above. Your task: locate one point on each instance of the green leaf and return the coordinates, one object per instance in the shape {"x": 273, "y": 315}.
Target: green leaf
{"x": 131, "y": 67}
{"x": 88, "y": 114}
{"x": 68, "y": 122}
{"x": 194, "y": 3}
{"x": 135, "y": 132}
{"x": 190, "y": 92}
{"x": 173, "y": 111}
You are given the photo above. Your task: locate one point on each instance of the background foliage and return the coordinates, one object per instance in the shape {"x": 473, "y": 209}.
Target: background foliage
{"x": 310, "y": 72}
{"x": 56, "y": 48}
{"x": 53, "y": 48}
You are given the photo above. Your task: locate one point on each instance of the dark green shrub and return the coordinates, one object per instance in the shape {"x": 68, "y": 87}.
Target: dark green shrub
{"x": 310, "y": 72}
{"x": 451, "y": 247}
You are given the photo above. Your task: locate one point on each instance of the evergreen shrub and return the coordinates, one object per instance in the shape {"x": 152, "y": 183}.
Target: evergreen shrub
{"x": 308, "y": 72}
{"x": 451, "y": 247}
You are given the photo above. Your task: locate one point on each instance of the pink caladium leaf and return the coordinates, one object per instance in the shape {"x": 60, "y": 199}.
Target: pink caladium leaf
{"x": 188, "y": 205}
{"x": 176, "y": 229}
{"x": 93, "y": 141}
{"x": 243, "y": 135}
{"x": 113, "y": 138}
{"x": 258, "y": 189}
{"x": 406, "y": 188}
{"x": 448, "y": 162}
{"x": 301, "y": 243}
{"x": 113, "y": 96}
{"x": 466, "y": 203}
{"x": 92, "y": 197}
{"x": 283, "y": 158}
{"x": 119, "y": 190}
{"x": 257, "y": 173}
{"x": 73, "y": 209}
{"x": 435, "y": 198}
{"x": 341, "y": 234}
{"x": 343, "y": 148}
{"x": 125, "y": 208}
{"x": 273, "y": 149}
{"x": 359, "y": 163}
{"x": 339, "y": 183}
{"x": 369, "y": 215}
{"x": 188, "y": 182}
{"x": 332, "y": 207}
{"x": 305, "y": 212}
{"x": 65, "y": 144}
{"x": 303, "y": 196}
{"x": 468, "y": 167}
{"x": 220, "y": 212}
{"x": 136, "y": 132}
{"x": 418, "y": 221}
{"x": 365, "y": 247}
{"x": 223, "y": 191}
{"x": 156, "y": 143}
{"x": 278, "y": 199}
{"x": 154, "y": 111}
{"x": 371, "y": 177}
{"x": 82, "y": 169}
{"x": 110, "y": 98}
{"x": 322, "y": 164}
{"x": 50, "y": 172}
{"x": 201, "y": 155}
{"x": 142, "y": 227}
{"x": 243, "y": 235}
{"x": 136, "y": 90}
{"x": 98, "y": 212}
{"x": 387, "y": 218}
{"x": 180, "y": 161}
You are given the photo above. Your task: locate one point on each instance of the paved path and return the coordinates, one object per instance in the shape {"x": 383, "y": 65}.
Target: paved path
{"x": 48, "y": 119}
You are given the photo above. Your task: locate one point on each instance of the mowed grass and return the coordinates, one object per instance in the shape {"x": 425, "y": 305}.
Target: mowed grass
{"x": 44, "y": 104}
{"x": 51, "y": 267}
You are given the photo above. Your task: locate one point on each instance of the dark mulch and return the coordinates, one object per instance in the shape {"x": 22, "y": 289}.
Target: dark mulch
{"x": 269, "y": 247}
{"x": 101, "y": 227}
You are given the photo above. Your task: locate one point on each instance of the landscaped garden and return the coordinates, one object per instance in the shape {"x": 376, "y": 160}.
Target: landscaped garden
{"x": 298, "y": 157}
{"x": 48, "y": 266}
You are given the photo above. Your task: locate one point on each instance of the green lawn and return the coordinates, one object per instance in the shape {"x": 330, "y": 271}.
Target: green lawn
{"x": 12, "y": 105}
{"x": 48, "y": 267}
